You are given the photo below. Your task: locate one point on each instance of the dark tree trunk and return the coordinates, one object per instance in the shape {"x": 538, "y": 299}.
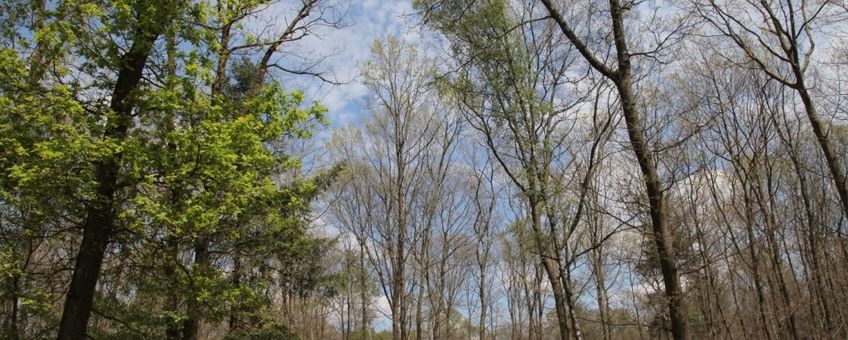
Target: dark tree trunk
{"x": 834, "y": 164}
{"x": 99, "y": 223}
{"x": 623, "y": 80}
{"x": 172, "y": 331}
{"x": 191, "y": 326}
{"x": 635, "y": 131}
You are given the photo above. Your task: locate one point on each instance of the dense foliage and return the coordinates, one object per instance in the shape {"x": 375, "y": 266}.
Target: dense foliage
{"x": 209, "y": 220}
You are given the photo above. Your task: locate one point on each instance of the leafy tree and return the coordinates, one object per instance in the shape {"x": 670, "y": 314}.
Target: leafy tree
{"x": 126, "y": 139}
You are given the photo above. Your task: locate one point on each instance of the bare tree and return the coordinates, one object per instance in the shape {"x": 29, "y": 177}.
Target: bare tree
{"x": 396, "y": 149}
{"x": 621, "y": 75}
{"x": 779, "y": 39}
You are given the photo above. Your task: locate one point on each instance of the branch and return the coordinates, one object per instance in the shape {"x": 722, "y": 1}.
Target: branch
{"x": 575, "y": 40}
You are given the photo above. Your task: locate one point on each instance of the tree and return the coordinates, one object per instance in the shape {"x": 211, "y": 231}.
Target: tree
{"x": 150, "y": 164}
{"x": 621, "y": 75}
{"x": 391, "y": 165}
{"x": 150, "y": 20}
{"x": 778, "y": 38}
{"x": 518, "y": 88}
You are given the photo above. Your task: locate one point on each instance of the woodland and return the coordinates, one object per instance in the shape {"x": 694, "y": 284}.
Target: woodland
{"x": 525, "y": 169}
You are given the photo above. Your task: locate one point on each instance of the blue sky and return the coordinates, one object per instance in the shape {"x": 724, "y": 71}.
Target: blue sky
{"x": 346, "y": 49}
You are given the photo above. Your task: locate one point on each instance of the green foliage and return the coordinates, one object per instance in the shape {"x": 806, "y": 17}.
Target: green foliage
{"x": 195, "y": 166}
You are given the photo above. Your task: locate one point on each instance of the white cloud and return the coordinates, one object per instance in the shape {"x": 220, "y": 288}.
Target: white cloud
{"x": 348, "y": 47}
{"x": 384, "y": 313}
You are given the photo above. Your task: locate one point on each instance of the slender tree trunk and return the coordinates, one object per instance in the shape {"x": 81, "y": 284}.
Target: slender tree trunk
{"x": 817, "y": 272}
{"x": 540, "y": 307}
{"x": 602, "y": 299}
{"x": 661, "y": 234}
{"x": 347, "y": 309}
{"x": 191, "y": 326}
{"x": 552, "y": 271}
{"x": 533, "y": 295}
{"x": 439, "y": 296}
{"x": 37, "y": 64}
{"x": 399, "y": 314}
{"x": 755, "y": 264}
{"x": 172, "y": 331}
{"x": 12, "y": 317}
{"x": 233, "y": 323}
{"x": 569, "y": 302}
{"x": 363, "y": 291}
{"x": 481, "y": 331}
{"x": 765, "y": 203}
{"x": 419, "y": 314}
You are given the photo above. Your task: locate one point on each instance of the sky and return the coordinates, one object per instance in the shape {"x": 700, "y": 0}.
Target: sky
{"x": 346, "y": 49}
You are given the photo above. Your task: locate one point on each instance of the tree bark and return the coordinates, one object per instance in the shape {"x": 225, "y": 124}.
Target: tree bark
{"x": 661, "y": 233}
{"x": 552, "y": 270}
{"x": 833, "y": 163}
{"x": 191, "y": 326}
{"x": 622, "y": 78}
{"x": 100, "y": 218}
{"x": 363, "y": 291}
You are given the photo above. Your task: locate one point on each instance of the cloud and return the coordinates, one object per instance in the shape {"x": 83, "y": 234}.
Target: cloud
{"x": 384, "y": 313}
{"x": 347, "y": 48}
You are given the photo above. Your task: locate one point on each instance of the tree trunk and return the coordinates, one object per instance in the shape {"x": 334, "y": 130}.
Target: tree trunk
{"x": 191, "y": 326}
{"x": 622, "y": 78}
{"x": 833, "y": 163}
{"x": 661, "y": 234}
{"x": 37, "y": 66}
{"x": 363, "y": 291}
{"x": 482, "y": 293}
{"x": 12, "y": 317}
{"x": 172, "y": 331}
{"x": 419, "y": 314}
{"x": 602, "y": 299}
{"x": 99, "y": 223}
{"x": 552, "y": 271}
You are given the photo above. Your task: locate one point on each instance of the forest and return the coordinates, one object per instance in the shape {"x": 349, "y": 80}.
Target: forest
{"x": 498, "y": 169}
